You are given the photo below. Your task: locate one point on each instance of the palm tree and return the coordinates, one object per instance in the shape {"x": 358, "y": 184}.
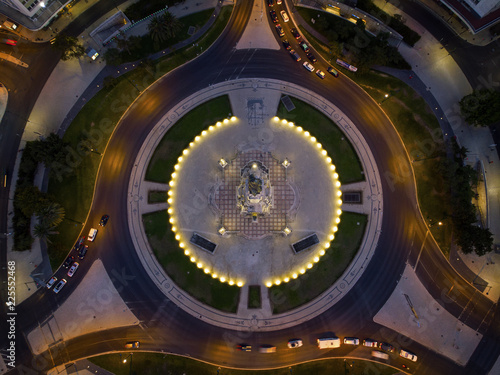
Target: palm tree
{"x": 51, "y": 214}
{"x": 157, "y": 30}
{"x": 122, "y": 42}
{"x": 172, "y": 24}
{"x": 43, "y": 230}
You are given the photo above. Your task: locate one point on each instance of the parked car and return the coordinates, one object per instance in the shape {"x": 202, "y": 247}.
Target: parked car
{"x": 279, "y": 30}
{"x": 51, "y": 282}
{"x": 295, "y": 343}
{"x": 370, "y": 343}
{"x": 60, "y": 285}
{"x": 308, "y": 66}
{"x": 104, "y": 220}
{"x": 295, "y": 33}
{"x": 92, "y": 234}
{"x": 286, "y": 44}
{"x": 332, "y": 71}
{"x": 284, "y": 16}
{"x": 73, "y": 269}
{"x": 320, "y": 74}
{"x": 79, "y": 243}
{"x": 387, "y": 347}
{"x": 244, "y": 347}
{"x": 311, "y": 57}
{"x": 68, "y": 261}
{"x": 351, "y": 341}
{"x": 270, "y": 3}
{"x": 408, "y": 355}
{"x": 83, "y": 251}
{"x": 274, "y": 17}
{"x": 295, "y": 55}
{"x": 304, "y": 46}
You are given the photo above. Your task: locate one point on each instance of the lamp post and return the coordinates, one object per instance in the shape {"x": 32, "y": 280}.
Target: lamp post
{"x": 125, "y": 361}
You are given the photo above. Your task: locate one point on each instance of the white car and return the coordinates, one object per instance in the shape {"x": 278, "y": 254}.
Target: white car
{"x": 320, "y": 74}
{"x": 51, "y": 282}
{"x": 351, "y": 341}
{"x": 284, "y": 16}
{"x": 59, "y": 286}
{"x": 73, "y": 269}
{"x": 92, "y": 234}
{"x": 308, "y": 66}
{"x": 408, "y": 355}
{"x": 295, "y": 343}
{"x": 370, "y": 343}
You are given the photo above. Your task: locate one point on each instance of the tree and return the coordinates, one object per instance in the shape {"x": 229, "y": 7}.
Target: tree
{"x": 50, "y": 150}
{"x": 123, "y": 43}
{"x": 172, "y": 24}
{"x": 112, "y": 57}
{"x": 43, "y": 230}
{"x": 481, "y": 107}
{"x": 157, "y": 30}
{"x": 69, "y": 46}
{"x": 51, "y": 213}
{"x": 30, "y": 200}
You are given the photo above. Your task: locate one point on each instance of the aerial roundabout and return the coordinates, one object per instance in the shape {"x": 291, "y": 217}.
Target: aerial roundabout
{"x": 255, "y": 199}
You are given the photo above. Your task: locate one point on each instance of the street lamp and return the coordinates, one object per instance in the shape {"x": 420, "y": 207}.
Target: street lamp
{"x": 125, "y": 361}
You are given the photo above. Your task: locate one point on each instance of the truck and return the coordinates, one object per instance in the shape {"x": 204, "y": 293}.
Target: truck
{"x": 328, "y": 343}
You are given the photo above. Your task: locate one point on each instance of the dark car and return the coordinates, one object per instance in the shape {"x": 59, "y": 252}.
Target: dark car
{"x": 69, "y": 261}
{"x": 79, "y": 242}
{"x": 295, "y": 55}
{"x": 279, "y": 30}
{"x": 270, "y": 3}
{"x": 295, "y": 33}
{"x": 311, "y": 57}
{"x": 387, "y": 347}
{"x": 83, "y": 251}
{"x": 244, "y": 347}
{"x": 286, "y": 44}
{"x": 104, "y": 220}
{"x": 332, "y": 71}
{"x": 274, "y": 17}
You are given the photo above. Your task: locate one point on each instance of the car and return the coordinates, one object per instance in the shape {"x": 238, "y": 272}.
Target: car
{"x": 295, "y": 33}
{"x": 60, "y": 285}
{"x": 387, "y": 347}
{"x": 381, "y": 355}
{"x": 92, "y": 234}
{"x": 68, "y": 261}
{"x": 284, "y": 16}
{"x": 279, "y": 30}
{"x": 132, "y": 345}
{"x": 295, "y": 343}
{"x": 244, "y": 347}
{"x": 278, "y": 2}
{"x": 332, "y": 71}
{"x": 10, "y": 42}
{"x": 370, "y": 343}
{"x": 83, "y": 251}
{"x": 79, "y": 243}
{"x": 274, "y": 17}
{"x": 286, "y": 44}
{"x": 295, "y": 55}
{"x": 270, "y": 3}
{"x": 73, "y": 269}
{"x": 351, "y": 341}
{"x": 104, "y": 220}
{"x": 311, "y": 57}
{"x": 408, "y": 355}
{"x": 267, "y": 349}
{"x": 320, "y": 74}
{"x": 51, "y": 282}
{"x": 304, "y": 46}
{"x": 308, "y": 66}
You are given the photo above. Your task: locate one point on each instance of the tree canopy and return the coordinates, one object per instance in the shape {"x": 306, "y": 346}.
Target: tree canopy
{"x": 481, "y": 107}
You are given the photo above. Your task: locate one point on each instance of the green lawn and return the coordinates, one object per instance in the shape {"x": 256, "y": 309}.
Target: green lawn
{"x": 93, "y": 126}
{"x": 163, "y": 364}
{"x": 156, "y": 196}
{"x": 331, "y": 266}
{"x": 184, "y": 131}
{"x": 182, "y": 271}
{"x": 331, "y": 137}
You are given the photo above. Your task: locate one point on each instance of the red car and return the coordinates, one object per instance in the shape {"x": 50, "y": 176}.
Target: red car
{"x": 10, "y": 42}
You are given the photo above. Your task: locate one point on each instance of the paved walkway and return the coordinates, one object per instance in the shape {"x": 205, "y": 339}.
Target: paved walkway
{"x": 241, "y": 91}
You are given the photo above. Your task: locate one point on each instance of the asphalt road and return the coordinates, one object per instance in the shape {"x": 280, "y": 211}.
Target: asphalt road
{"x": 166, "y": 327}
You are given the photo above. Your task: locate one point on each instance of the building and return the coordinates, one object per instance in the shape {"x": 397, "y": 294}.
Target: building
{"x": 477, "y": 15}
{"x": 32, "y": 14}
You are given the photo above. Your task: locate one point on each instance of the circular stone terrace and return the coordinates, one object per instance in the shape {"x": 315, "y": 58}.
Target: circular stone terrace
{"x": 254, "y": 132}
{"x": 258, "y": 213}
